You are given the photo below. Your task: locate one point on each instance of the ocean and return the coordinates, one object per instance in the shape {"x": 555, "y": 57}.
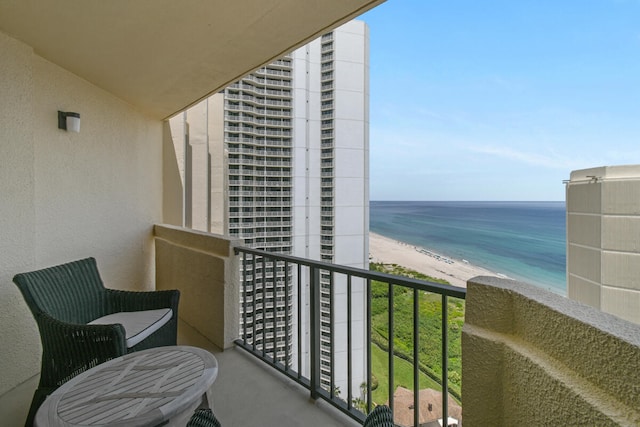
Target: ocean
{"x": 522, "y": 240}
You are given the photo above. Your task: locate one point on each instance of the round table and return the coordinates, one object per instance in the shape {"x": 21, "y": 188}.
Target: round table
{"x": 162, "y": 385}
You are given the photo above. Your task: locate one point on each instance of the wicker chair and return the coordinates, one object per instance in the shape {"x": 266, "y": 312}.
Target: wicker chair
{"x": 203, "y": 418}
{"x": 381, "y": 416}
{"x": 65, "y": 298}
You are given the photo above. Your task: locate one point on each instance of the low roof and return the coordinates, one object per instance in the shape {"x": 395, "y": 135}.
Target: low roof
{"x": 164, "y": 55}
{"x": 430, "y": 406}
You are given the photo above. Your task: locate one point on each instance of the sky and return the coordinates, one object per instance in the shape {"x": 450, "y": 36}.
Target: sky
{"x": 500, "y": 100}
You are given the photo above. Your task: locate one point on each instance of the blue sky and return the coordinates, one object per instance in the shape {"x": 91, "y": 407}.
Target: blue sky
{"x": 500, "y": 100}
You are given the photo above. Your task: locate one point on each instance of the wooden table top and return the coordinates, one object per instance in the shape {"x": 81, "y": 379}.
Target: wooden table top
{"x": 144, "y": 388}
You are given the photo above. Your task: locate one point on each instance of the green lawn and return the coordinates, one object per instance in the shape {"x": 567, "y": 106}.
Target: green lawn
{"x": 403, "y": 375}
{"x": 429, "y": 329}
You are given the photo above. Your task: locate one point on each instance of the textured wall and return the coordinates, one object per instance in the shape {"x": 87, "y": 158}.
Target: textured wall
{"x": 603, "y": 239}
{"x": 202, "y": 267}
{"x": 69, "y": 195}
{"x": 20, "y": 354}
{"x": 531, "y": 357}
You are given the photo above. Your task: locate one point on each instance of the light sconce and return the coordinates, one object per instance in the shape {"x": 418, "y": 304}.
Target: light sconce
{"x": 69, "y": 121}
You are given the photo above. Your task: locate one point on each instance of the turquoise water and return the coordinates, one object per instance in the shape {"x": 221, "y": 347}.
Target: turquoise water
{"x": 522, "y": 240}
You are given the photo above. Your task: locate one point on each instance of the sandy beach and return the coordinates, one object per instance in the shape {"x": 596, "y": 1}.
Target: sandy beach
{"x": 423, "y": 260}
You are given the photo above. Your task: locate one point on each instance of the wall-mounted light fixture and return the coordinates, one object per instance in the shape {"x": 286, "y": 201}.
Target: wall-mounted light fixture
{"x": 69, "y": 121}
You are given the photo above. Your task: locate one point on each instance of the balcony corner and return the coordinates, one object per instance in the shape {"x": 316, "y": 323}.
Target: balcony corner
{"x": 206, "y": 271}
{"x": 531, "y": 357}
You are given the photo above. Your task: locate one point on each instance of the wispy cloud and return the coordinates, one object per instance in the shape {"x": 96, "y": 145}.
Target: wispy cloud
{"x": 549, "y": 160}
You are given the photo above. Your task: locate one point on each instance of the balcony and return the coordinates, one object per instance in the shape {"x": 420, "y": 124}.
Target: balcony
{"x": 523, "y": 348}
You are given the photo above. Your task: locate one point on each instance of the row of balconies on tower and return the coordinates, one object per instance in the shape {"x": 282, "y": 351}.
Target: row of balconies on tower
{"x": 262, "y": 198}
{"x": 264, "y": 224}
{"x": 326, "y": 75}
{"x": 260, "y": 162}
{"x": 253, "y": 234}
{"x": 327, "y": 96}
{"x": 258, "y": 150}
{"x": 326, "y": 183}
{"x": 268, "y": 71}
{"x": 258, "y": 168}
{"x": 327, "y": 37}
{"x": 326, "y": 105}
{"x": 240, "y": 214}
{"x": 266, "y": 81}
{"x": 327, "y": 56}
{"x": 248, "y": 181}
{"x": 259, "y": 100}
{"x": 258, "y": 203}
{"x": 236, "y": 106}
{"x": 257, "y": 130}
{"x": 277, "y": 142}
{"x": 249, "y": 118}
{"x": 326, "y": 66}
{"x": 327, "y": 47}
{"x": 326, "y": 133}
{"x": 280, "y": 63}
{"x": 246, "y": 172}
{"x": 260, "y": 191}
{"x": 327, "y": 251}
{"x": 327, "y": 154}
{"x": 326, "y": 124}
{"x": 283, "y": 142}
{"x": 261, "y": 90}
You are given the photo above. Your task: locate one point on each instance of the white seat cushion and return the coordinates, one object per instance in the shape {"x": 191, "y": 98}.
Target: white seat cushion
{"x": 138, "y": 325}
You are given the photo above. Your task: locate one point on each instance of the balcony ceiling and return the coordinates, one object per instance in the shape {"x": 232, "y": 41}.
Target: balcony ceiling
{"x": 163, "y": 55}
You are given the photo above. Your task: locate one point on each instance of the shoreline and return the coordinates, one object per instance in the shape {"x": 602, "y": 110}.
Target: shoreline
{"x": 386, "y": 250}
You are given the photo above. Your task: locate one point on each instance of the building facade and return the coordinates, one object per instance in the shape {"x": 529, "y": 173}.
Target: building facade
{"x": 280, "y": 160}
{"x": 603, "y": 239}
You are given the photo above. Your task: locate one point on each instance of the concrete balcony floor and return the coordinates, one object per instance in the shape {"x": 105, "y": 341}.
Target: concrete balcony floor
{"x": 246, "y": 393}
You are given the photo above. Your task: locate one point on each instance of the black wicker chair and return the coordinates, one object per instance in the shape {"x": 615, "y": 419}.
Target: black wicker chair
{"x": 381, "y": 416}
{"x": 203, "y": 418}
{"x": 64, "y": 299}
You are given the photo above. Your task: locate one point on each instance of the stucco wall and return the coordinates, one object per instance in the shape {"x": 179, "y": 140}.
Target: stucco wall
{"x": 533, "y": 358}
{"x": 203, "y": 267}
{"x": 20, "y": 349}
{"x": 69, "y": 195}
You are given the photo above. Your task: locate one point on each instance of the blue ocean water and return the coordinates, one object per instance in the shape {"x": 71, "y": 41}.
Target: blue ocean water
{"x": 522, "y": 240}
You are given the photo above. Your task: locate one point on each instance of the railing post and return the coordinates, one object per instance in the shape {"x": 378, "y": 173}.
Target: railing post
{"x": 369, "y": 403}
{"x": 314, "y": 333}
{"x": 445, "y": 360}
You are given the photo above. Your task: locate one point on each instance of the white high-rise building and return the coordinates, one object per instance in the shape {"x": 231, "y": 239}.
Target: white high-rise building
{"x": 280, "y": 160}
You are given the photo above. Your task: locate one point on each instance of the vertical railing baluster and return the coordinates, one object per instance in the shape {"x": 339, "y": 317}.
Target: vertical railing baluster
{"x": 287, "y": 355}
{"x": 315, "y": 330}
{"x": 332, "y": 332}
{"x": 416, "y": 357}
{"x": 264, "y": 306}
{"x": 445, "y": 361}
{"x": 299, "y": 322}
{"x": 368, "y": 349}
{"x": 244, "y": 297}
{"x": 253, "y": 303}
{"x": 391, "y": 347}
{"x": 271, "y": 311}
{"x": 349, "y": 345}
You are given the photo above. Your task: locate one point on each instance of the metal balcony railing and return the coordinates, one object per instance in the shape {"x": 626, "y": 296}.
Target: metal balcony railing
{"x": 310, "y": 287}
